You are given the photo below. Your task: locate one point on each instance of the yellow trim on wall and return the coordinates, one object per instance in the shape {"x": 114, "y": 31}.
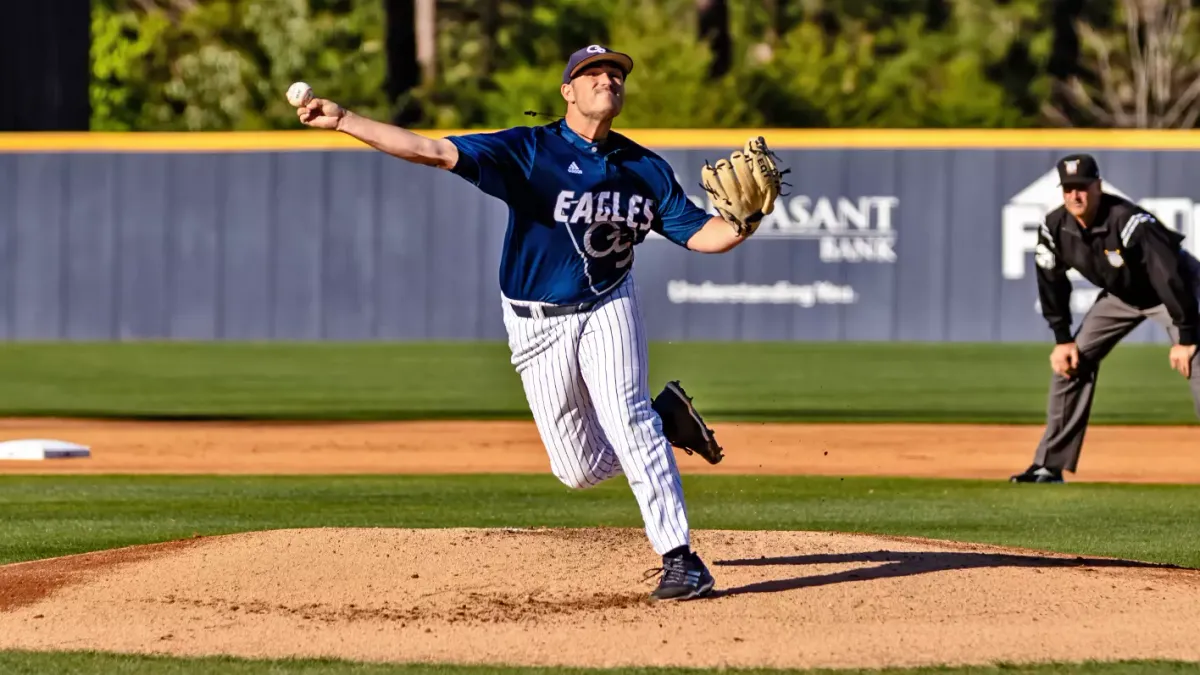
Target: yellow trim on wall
{"x": 781, "y": 139}
{"x": 233, "y": 141}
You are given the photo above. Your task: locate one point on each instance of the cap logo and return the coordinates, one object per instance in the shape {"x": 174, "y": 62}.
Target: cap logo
{"x": 596, "y": 49}
{"x": 1072, "y": 166}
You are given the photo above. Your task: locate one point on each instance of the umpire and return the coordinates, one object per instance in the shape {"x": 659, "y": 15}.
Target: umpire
{"x": 1143, "y": 273}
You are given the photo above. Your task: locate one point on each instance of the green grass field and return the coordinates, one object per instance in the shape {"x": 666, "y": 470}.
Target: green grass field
{"x": 27, "y": 663}
{"x": 771, "y": 381}
{"x": 55, "y": 515}
{"x": 43, "y": 516}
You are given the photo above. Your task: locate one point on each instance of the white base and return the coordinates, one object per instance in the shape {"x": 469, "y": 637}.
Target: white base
{"x": 42, "y": 448}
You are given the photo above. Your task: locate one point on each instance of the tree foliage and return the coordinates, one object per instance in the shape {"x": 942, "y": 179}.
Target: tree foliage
{"x": 223, "y": 64}
{"x": 1139, "y": 68}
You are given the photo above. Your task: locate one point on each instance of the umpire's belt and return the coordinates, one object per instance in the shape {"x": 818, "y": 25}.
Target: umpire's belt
{"x": 529, "y": 312}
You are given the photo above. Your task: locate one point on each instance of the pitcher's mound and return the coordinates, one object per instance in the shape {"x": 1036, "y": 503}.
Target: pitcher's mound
{"x": 576, "y": 597}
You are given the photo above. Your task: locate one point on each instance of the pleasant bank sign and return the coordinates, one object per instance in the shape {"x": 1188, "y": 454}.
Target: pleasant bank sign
{"x": 844, "y": 229}
{"x": 851, "y": 229}
{"x": 858, "y": 229}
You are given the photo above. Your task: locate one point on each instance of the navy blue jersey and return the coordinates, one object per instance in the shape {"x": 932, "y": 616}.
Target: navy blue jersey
{"x": 576, "y": 208}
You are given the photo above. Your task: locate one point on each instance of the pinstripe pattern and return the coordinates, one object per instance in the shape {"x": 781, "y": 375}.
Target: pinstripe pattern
{"x": 585, "y": 378}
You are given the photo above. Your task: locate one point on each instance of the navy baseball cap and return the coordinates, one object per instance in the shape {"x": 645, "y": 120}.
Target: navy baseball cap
{"x": 595, "y": 54}
{"x": 1078, "y": 170}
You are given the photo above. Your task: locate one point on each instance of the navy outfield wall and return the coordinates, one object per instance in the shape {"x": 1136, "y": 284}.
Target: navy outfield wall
{"x": 899, "y": 243}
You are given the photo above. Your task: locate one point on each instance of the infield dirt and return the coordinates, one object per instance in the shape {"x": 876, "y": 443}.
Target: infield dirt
{"x": 1125, "y": 454}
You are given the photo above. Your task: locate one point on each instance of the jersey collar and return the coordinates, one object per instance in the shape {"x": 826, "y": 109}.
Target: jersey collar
{"x": 609, "y": 145}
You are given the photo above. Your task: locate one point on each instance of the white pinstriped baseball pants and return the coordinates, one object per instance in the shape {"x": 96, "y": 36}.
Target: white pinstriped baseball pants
{"x": 585, "y": 377}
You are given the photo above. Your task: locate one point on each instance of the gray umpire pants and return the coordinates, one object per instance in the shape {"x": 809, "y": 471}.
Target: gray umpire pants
{"x": 1070, "y": 404}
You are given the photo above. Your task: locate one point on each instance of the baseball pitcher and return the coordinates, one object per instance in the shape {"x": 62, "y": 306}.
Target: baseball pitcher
{"x": 1143, "y": 273}
{"x": 580, "y": 197}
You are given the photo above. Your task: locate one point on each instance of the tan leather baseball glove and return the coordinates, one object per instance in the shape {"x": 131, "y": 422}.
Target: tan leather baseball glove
{"x": 744, "y": 187}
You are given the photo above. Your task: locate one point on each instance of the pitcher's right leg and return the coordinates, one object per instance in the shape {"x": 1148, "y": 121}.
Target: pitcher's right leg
{"x": 545, "y": 354}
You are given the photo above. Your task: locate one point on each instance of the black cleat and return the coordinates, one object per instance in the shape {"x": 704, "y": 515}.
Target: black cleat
{"x": 683, "y": 426}
{"x": 684, "y": 577}
{"x": 1038, "y": 474}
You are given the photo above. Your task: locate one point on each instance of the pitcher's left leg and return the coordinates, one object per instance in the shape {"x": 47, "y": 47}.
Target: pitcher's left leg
{"x": 613, "y": 359}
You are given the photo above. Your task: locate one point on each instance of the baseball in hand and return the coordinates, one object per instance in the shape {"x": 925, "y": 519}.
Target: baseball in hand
{"x": 299, "y": 94}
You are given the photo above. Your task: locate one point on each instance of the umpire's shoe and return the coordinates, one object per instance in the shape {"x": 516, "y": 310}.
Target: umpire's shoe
{"x": 1038, "y": 474}
{"x": 684, "y": 577}
{"x": 683, "y": 426}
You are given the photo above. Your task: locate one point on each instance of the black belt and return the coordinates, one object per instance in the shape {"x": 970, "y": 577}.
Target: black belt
{"x": 525, "y": 311}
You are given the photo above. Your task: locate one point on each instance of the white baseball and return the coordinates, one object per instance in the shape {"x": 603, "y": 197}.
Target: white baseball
{"x": 299, "y": 94}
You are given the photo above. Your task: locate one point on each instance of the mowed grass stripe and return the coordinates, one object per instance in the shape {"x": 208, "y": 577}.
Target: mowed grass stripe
{"x": 877, "y": 382}
{"x": 47, "y": 516}
{"x": 89, "y": 663}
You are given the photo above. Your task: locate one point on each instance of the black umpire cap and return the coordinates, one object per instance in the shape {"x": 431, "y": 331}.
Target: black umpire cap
{"x": 1078, "y": 170}
{"x": 595, "y": 54}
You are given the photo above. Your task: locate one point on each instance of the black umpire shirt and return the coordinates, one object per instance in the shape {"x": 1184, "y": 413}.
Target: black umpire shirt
{"x": 1126, "y": 252}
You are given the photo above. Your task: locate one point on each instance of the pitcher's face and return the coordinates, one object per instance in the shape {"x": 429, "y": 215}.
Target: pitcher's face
{"x": 598, "y": 91}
